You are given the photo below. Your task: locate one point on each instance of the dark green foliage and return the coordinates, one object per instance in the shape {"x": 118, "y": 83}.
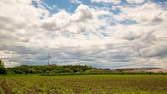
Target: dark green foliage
{"x": 24, "y": 69}
{"x": 2, "y": 69}
{"x": 54, "y": 70}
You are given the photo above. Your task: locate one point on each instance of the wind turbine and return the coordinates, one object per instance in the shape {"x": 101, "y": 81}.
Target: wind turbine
{"x": 48, "y": 58}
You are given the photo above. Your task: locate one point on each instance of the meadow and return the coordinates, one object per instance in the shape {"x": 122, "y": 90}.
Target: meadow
{"x": 83, "y": 84}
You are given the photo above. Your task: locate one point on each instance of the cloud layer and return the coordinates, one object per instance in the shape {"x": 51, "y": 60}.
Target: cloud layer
{"x": 128, "y": 34}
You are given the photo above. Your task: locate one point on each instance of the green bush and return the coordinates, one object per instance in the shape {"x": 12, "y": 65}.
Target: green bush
{"x": 51, "y": 69}
{"x": 2, "y": 68}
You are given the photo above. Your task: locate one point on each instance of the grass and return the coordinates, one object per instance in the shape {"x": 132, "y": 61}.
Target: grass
{"x": 83, "y": 84}
{"x": 103, "y": 73}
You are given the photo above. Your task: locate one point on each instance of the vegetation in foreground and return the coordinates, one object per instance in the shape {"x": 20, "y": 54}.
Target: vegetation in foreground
{"x": 78, "y": 80}
{"x": 84, "y": 84}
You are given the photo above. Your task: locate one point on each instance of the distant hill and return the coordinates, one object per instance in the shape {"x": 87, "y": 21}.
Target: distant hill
{"x": 156, "y": 70}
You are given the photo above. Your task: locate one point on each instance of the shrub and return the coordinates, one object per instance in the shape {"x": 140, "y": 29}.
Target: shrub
{"x": 2, "y": 68}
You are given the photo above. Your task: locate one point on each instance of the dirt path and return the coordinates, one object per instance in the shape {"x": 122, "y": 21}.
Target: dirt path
{"x": 5, "y": 86}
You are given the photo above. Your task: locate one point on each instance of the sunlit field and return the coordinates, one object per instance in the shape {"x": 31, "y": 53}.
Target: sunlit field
{"x": 84, "y": 84}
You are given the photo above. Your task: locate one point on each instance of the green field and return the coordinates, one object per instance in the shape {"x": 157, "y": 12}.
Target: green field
{"x": 83, "y": 84}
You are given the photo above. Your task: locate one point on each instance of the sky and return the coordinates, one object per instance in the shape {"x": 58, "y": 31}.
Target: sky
{"x": 100, "y": 33}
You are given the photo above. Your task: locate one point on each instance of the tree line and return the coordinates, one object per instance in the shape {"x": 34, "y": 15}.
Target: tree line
{"x": 41, "y": 69}
{"x": 53, "y": 70}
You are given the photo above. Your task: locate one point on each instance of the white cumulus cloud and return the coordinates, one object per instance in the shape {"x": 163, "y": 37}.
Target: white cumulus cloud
{"x": 85, "y": 36}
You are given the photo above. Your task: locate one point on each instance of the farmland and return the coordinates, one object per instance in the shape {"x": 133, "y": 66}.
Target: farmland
{"x": 83, "y": 84}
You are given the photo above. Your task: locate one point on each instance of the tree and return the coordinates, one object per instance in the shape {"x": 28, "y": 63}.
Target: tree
{"x": 2, "y": 68}
{"x": 1, "y": 63}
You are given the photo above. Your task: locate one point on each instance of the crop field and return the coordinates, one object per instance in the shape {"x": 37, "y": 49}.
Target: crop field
{"x": 84, "y": 84}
